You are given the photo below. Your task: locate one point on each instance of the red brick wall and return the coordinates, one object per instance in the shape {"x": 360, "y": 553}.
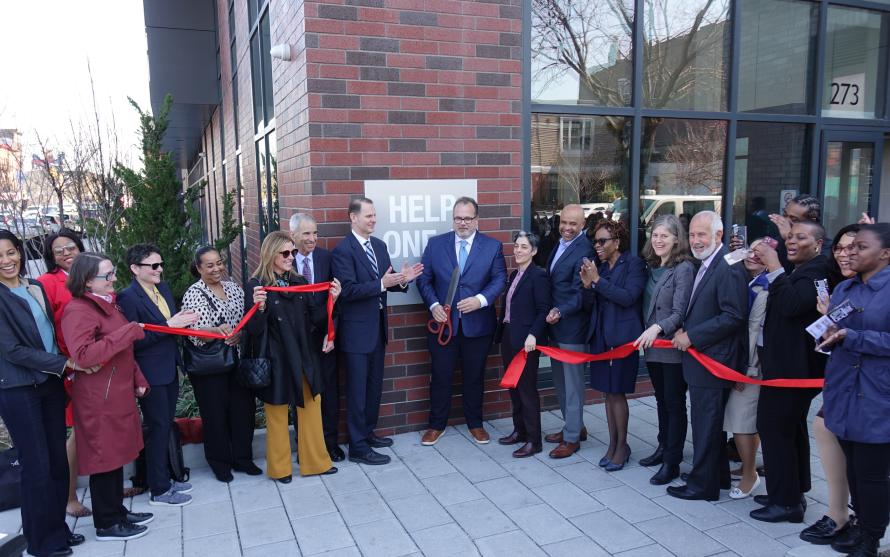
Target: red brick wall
{"x": 393, "y": 89}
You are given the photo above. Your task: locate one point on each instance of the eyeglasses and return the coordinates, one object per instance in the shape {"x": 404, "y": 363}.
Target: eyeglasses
{"x": 602, "y": 241}
{"x": 463, "y": 220}
{"x": 106, "y": 276}
{"x": 68, "y": 248}
{"x": 154, "y": 266}
{"x": 839, "y": 248}
{"x": 289, "y": 253}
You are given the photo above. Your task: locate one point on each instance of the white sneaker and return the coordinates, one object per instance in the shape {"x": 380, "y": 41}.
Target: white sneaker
{"x": 170, "y": 499}
{"x": 736, "y": 493}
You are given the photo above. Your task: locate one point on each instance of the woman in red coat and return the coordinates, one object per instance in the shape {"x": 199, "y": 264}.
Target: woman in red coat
{"x": 59, "y": 252}
{"x": 109, "y": 432}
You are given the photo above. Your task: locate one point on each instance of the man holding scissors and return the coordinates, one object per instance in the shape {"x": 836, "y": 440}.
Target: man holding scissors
{"x": 463, "y": 274}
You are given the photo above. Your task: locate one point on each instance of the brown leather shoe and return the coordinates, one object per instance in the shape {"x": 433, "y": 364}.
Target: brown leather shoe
{"x": 431, "y": 436}
{"x": 565, "y": 450}
{"x": 527, "y": 450}
{"x": 512, "y": 439}
{"x": 557, "y": 437}
{"x": 480, "y": 435}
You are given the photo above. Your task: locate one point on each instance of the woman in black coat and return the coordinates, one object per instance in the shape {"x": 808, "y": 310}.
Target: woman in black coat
{"x": 789, "y": 353}
{"x": 288, "y": 320}
{"x": 522, "y": 326}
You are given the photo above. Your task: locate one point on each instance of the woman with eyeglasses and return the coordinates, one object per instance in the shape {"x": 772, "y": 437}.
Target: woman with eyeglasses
{"x": 59, "y": 251}
{"x": 522, "y": 326}
{"x": 32, "y": 401}
{"x": 857, "y": 387}
{"x": 104, "y": 392}
{"x": 613, "y": 293}
{"x": 149, "y": 300}
{"x": 284, "y": 325}
{"x": 227, "y": 408}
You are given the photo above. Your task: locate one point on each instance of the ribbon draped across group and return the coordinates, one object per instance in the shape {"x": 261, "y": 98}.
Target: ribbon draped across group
{"x": 514, "y": 370}
{"x": 318, "y": 287}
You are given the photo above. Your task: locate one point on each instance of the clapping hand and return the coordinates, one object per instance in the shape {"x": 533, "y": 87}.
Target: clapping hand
{"x": 411, "y": 272}
{"x": 589, "y": 273}
{"x": 391, "y": 278}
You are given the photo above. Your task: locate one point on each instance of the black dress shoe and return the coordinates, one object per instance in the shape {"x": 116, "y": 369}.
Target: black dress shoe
{"x": 248, "y": 468}
{"x": 285, "y": 480}
{"x": 527, "y": 450}
{"x": 847, "y": 541}
{"x": 512, "y": 439}
{"x": 778, "y": 513}
{"x": 336, "y": 454}
{"x": 867, "y": 547}
{"x": 379, "y": 442}
{"x": 683, "y": 492}
{"x": 75, "y": 539}
{"x": 372, "y": 458}
{"x": 665, "y": 475}
{"x": 764, "y": 500}
{"x": 57, "y": 553}
{"x": 140, "y": 519}
{"x": 655, "y": 458}
{"x": 823, "y": 532}
{"x": 224, "y": 476}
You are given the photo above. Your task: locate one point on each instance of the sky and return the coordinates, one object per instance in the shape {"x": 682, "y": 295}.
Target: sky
{"x": 45, "y": 82}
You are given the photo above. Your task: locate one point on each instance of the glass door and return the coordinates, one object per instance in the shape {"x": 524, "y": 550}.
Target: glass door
{"x": 850, "y": 174}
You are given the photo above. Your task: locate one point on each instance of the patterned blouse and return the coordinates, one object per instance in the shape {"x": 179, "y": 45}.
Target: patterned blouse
{"x": 229, "y": 310}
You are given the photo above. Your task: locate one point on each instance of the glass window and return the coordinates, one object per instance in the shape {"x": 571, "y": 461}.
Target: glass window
{"x": 581, "y": 52}
{"x": 596, "y": 176}
{"x": 777, "y": 54}
{"x": 261, "y": 174}
{"x": 770, "y": 164}
{"x": 267, "y": 68}
{"x": 855, "y": 58}
{"x": 252, "y": 6}
{"x": 849, "y": 170}
{"x": 686, "y": 54}
{"x": 272, "y": 192}
{"x": 256, "y": 73}
{"x": 681, "y": 168}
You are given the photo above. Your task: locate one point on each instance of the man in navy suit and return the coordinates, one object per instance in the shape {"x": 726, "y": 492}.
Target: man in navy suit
{"x": 483, "y": 277}
{"x": 314, "y": 263}
{"x": 568, "y": 327}
{"x": 362, "y": 265}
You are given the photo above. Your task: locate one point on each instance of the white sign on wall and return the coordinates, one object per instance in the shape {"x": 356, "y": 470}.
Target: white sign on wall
{"x": 410, "y": 212}
{"x": 847, "y": 93}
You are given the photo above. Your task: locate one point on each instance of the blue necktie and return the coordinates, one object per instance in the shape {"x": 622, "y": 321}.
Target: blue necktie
{"x": 463, "y": 254}
{"x": 371, "y": 257}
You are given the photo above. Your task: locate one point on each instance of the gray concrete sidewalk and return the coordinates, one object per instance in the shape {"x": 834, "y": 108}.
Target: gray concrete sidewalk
{"x": 459, "y": 498}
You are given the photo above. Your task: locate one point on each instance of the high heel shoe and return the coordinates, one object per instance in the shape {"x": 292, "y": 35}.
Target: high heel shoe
{"x": 736, "y": 493}
{"x": 613, "y": 467}
{"x": 604, "y": 462}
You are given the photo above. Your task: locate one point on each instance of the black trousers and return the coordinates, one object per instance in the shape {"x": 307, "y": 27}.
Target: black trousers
{"x": 785, "y": 442}
{"x": 364, "y": 387}
{"x": 35, "y": 417}
{"x": 158, "y": 411}
{"x": 228, "y": 414}
{"x": 868, "y": 468}
{"x": 107, "y": 492}
{"x": 472, "y": 351}
{"x": 526, "y": 403}
{"x": 670, "y": 396}
{"x": 710, "y": 465}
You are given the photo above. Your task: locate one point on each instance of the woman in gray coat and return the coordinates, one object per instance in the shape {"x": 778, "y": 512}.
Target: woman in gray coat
{"x": 665, "y": 299}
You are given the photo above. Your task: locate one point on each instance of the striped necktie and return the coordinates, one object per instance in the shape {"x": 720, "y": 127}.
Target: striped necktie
{"x": 371, "y": 257}
{"x": 307, "y": 270}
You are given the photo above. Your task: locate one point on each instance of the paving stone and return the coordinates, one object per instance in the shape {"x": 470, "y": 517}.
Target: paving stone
{"x": 347, "y": 480}
{"x": 629, "y": 504}
{"x": 419, "y": 512}
{"x": 428, "y": 463}
{"x": 452, "y": 488}
{"x": 263, "y": 527}
{"x": 474, "y": 464}
{"x": 158, "y": 541}
{"x": 589, "y": 477}
{"x": 679, "y": 537}
{"x": 567, "y": 499}
{"x": 220, "y": 545}
{"x": 199, "y": 521}
{"x": 654, "y": 550}
{"x": 444, "y": 540}
{"x": 508, "y": 494}
{"x": 581, "y": 546}
{"x": 351, "y": 551}
{"x": 320, "y": 533}
{"x": 480, "y": 518}
{"x": 254, "y": 496}
{"x": 280, "y": 549}
{"x": 701, "y": 515}
{"x": 164, "y": 516}
{"x": 543, "y": 525}
{"x": 532, "y": 472}
{"x": 511, "y": 544}
{"x": 395, "y": 481}
{"x": 362, "y": 507}
{"x": 638, "y": 479}
{"x": 309, "y": 500}
{"x": 384, "y": 538}
{"x": 746, "y": 540}
{"x": 610, "y": 531}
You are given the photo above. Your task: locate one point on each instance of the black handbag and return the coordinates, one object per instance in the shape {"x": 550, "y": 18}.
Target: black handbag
{"x": 212, "y": 357}
{"x": 255, "y": 368}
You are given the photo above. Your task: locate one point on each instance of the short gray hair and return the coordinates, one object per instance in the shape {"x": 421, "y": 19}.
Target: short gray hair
{"x": 716, "y": 221}
{"x": 297, "y": 219}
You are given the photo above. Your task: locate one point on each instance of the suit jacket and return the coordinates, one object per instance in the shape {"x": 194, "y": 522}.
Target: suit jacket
{"x": 361, "y": 318}
{"x": 619, "y": 295}
{"x": 790, "y": 308}
{"x": 565, "y": 280}
{"x": 667, "y": 308}
{"x": 716, "y": 321}
{"x": 529, "y": 307}
{"x": 484, "y": 273}
{"x": 157, "y": 353}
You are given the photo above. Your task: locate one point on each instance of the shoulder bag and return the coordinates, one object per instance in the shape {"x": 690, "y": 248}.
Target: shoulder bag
{"x": 212, "y": 357}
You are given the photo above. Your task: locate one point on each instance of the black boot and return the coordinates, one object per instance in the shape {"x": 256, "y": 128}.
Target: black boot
{"x": 655, "y": 458}
{"x": 849, "y": 539}
{"x": 868, "y": 547}
{"x": 665, "y": 475}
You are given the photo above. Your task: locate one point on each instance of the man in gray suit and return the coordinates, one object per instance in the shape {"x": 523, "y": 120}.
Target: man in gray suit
{"x": 568, "y": 326}
{"x": 715, "y": 325}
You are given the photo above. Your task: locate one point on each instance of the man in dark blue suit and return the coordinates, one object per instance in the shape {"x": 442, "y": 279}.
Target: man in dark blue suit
{"x": 483, "y": 277}
{"x": 362, "y": 265}
{"x": 568, "y": 327}
{"x": 314, "y": 263}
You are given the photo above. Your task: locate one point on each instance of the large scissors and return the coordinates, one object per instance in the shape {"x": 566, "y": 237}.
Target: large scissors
{"x": 443, "y": 330}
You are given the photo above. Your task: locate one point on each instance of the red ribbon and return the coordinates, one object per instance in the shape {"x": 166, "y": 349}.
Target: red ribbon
{"x": 517, "y": 365}
{"x": 317, "y": 287}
